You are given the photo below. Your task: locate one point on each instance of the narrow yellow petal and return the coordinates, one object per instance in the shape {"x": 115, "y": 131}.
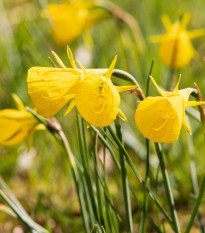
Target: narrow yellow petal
{"x": 88, "y": 125}
{"x": 70, "y": 56}
{"x": 40, "y": 127}
{"x": 186, "y": 126}
{"x": 166, "y": 22}
{"x": 185, "y": 20}
{"x": 111, "y": 68}
{"x": 196, "y": 33}
{"x": 193, "y": 103}
{"x": 83, "y": 69}
{"x": 58, "y": 60}
{"x": 162, "y": 92}
{"x": 126, "y": 88}
{"x": 158, "y": 38}
{"x": 177, "y": 86}
{"x": 18, "y": 102}
{"x": 70, "y": 107}
{"x": 122, "y": 116}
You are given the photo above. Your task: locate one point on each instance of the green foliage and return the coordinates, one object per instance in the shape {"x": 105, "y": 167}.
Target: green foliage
{"x": 42, "y": 179}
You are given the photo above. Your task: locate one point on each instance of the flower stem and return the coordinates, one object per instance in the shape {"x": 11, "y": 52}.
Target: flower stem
{"x": 55, "y": 129}
{"x": 125, "y": 184}
{"x": 143, "y": 219}
{"x": 76, "y": 180}
{"x": 196, "y": 207}
{"x": 193, "y": 172}
{"x": 168, "y": 189}
{"x": 131, "y": 164}
{"x": 86, "y": 165}
{"x": 99, "y": 198}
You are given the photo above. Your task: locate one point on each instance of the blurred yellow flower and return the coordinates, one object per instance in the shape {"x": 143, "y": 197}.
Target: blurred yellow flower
{"x": 160, "y": 118}
{"x": 90, "y": 90}
{"x": 175, "y": 49}
{"x": 68, "y": 20}
{"x": 16, "y": 125}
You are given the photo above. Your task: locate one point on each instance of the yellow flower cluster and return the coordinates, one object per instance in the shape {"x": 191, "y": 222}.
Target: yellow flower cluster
{"x": 175, "y": 49}
{"x": 16, "y": 125}
{"x": 68, "y": 20}
{"x": 94, "y": 95}
{"x": 160, "y": 118}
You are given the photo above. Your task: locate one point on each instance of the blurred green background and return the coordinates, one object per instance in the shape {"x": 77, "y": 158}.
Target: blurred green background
{"x": 41, "y": 178}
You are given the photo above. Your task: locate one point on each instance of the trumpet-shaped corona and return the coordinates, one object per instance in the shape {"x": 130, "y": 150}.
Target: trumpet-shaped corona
{"x": 103, "y": 98}
{"x": 160, "y": 118}
{"x": 68, "y": 20}
{"x": 175, "y": 49}
{"x": 16, "y": 125}
{"x": 90, "y": 90}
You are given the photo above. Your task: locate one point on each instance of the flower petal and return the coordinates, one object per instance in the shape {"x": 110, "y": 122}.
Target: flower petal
{"x": 18, "y": 102}
{"x": 196, "y": 33}
{"x": 166, "y": 22}
{"x": 15, "y": 126}
{"x": 158, "y": 120}
{"x": 185, "y": 93}
{"x": 126, "y": 88}
{"x": 70, "y": 107}
{"x": 122, "y": 115}
{"x": 186, "y": 126}
{"x": 193, "y": 103}
{"x": 51, "y": 88}
{"x": 111, "y": 68}
{"x": 70, "y": 57}
{"x": 162, "y": 92}
{"x": 177, "y": 86}
{"x": 97, "y": 100}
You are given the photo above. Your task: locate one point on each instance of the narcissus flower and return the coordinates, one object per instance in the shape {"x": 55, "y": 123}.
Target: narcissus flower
{"x": 15, "y": 125}
{"x": 68, "y": 20}
{"x": 160, "y": 118}
{"x": 175, "y": 49}
{"x": 90, "y": 90}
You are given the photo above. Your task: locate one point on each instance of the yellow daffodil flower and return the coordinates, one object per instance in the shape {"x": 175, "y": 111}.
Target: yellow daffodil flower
{"x": 160, "y": 118}
{"x": 16, "y": 125}
{"x": 68, "y": 20}
{"x": 90, "y": 90}
{"x": 175, "y": 49}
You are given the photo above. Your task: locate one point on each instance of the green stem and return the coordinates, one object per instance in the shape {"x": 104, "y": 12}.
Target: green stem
{"x": 86, "y": 166}
{"x": 168, "y": 189}
{"x": 55, "y": 129}
{"x": 125, "y": 184}
{"x": 148, "y": 79}
{"x": 105, "y": 143}
{"x": 99, "y": 198}
{"x": 194, "y": 178}
{"x": 196, "y": 207}
{"x": 124, "y": 75}
{"x": 110, "y": 212}
{"x": 157, "y": 229}
{"x": 8, "y": 197}
{"x": 131, "y": 164}
{"x": 76, "y": 180}
{"x": 143, "y": 219}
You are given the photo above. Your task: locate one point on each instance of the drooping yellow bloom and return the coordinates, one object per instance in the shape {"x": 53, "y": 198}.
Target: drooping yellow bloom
{"x": 90, "y": 90}
{"x": 68, "y": 20}
{"x": 160, "y": 118}
{"x": 15, "y": 125}
{"x": 175, "y": 49}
